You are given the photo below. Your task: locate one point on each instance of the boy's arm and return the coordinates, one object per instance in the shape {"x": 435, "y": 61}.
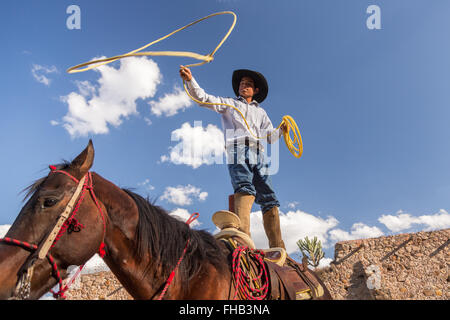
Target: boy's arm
{"x": 273, "y": 134}
{"x": 199, "y": 94}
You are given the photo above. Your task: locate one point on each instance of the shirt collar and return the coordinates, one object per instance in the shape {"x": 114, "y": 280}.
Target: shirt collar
{"x": 254, "y": 102}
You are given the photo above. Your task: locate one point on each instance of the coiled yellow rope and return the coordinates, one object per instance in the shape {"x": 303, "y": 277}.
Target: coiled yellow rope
{"x": 288, "y": 120}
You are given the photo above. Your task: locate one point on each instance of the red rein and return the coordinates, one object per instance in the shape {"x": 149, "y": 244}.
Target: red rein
{"x": 172, "y": 274}
{"x": 31, "y": 247}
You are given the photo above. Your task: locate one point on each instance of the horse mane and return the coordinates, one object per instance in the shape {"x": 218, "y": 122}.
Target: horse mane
{"x": 164, "y": 238}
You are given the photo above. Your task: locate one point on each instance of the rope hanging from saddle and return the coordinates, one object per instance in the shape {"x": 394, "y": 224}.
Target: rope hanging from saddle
{"x": 250, "y": 278}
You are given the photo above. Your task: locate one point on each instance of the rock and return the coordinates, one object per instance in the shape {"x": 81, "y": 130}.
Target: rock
{"x": 389, "y": 267}
{"x": 428, "y": 292}
{"x": 402, "y": 277}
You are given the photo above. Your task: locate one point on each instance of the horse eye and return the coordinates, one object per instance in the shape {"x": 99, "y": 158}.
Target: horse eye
{"x": 50, "y": 202}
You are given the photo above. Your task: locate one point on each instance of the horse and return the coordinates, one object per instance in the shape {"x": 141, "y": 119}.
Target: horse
{"x": 152, "y": 254}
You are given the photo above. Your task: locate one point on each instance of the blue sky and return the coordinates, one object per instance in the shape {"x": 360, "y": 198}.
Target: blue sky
{"x": 372, "y": 106}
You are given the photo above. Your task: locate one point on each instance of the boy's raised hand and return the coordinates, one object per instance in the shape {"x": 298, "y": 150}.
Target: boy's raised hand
{"x": 185, "y": 73}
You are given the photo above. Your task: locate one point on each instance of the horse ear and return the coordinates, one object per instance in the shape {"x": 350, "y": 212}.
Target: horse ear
{"x": 83, "y": 162}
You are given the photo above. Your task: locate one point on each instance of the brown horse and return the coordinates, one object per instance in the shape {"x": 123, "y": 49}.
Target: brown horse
{"x": 140, "y": 242}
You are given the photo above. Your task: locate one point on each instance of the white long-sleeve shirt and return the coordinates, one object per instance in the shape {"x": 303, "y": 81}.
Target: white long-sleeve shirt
{"x": 233, "y": 124}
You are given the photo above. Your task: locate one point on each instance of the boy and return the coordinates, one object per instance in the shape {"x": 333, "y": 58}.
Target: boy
{"x": 247, "y": 169}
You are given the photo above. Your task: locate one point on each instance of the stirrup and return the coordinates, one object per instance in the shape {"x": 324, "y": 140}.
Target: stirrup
{"x": 276, "y": 255}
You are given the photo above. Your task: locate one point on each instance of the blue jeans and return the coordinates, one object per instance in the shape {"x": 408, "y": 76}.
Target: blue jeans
{"x": 249, "y": 174}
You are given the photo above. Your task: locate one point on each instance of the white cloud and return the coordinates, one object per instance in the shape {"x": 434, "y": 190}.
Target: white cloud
{"x": 146, "y": 185}
{"x": 85, "y": 88}
{"x": 94, "y": 264}
{"x": 358, "y": 231}
{"x": 171, "y": 103}
{"x": 292, "y": 205}
{"x": 403, "y": 221}
{"x": 397, "y": 223}
{"x": 295, "y": 225}
{"x": 202, "y": 196}
{"x": 39, "y": 73}
{"x": 182, "y": 195}
{"x": 164, "y": 158}
{"x": 198, "y": 145}
{"x": 324, "y": 262}
{"x": 4, "y": 229}
{"x": 183, "y": 215}
{"x": 148, "y": 121}
{"x": 94, "y": 108}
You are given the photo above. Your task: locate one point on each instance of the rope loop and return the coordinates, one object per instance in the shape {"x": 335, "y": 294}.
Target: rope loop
{"x": 204, "y": 58}
{"x": 287, "y": 120}
{"x": 248, "y": 285}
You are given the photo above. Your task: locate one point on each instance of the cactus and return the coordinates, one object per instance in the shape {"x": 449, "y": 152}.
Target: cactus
{"x": 312, "y": 249}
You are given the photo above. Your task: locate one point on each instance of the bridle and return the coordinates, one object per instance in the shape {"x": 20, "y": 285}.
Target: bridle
{"x": 66, "y": 222}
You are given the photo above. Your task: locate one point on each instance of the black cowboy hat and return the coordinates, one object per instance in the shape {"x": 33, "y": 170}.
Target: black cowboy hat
{"x": 258, "y": 78}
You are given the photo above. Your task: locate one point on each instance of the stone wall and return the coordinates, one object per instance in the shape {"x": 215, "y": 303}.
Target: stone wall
{"x": 411, "y": 266}
{"x": 97, "y": 286}
{"x": 402, "y": 267}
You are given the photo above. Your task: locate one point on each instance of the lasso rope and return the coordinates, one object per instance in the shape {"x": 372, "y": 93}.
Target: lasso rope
{"x": 287, "y": 120}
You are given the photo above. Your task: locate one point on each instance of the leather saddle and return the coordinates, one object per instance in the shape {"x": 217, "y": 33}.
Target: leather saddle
{"x": 289, "y": 280}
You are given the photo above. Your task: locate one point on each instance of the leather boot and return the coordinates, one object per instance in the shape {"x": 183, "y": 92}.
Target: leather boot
{"x": 242, "y": 207}
{"x": 271, "y": 220}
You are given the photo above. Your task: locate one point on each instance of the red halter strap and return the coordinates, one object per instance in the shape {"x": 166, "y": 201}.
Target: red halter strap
{"x": 54, "y": 170}
{"x": 88, "y": 185}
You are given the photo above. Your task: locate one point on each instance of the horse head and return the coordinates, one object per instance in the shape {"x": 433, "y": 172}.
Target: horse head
{"x": 35, "y": 253}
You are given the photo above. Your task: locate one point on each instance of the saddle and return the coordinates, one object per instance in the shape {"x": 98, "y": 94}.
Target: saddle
{"x": 288, "y": 279}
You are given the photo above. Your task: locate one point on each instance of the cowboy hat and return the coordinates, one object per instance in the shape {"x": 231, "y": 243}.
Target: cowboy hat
{"x": 258, "y": 78}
